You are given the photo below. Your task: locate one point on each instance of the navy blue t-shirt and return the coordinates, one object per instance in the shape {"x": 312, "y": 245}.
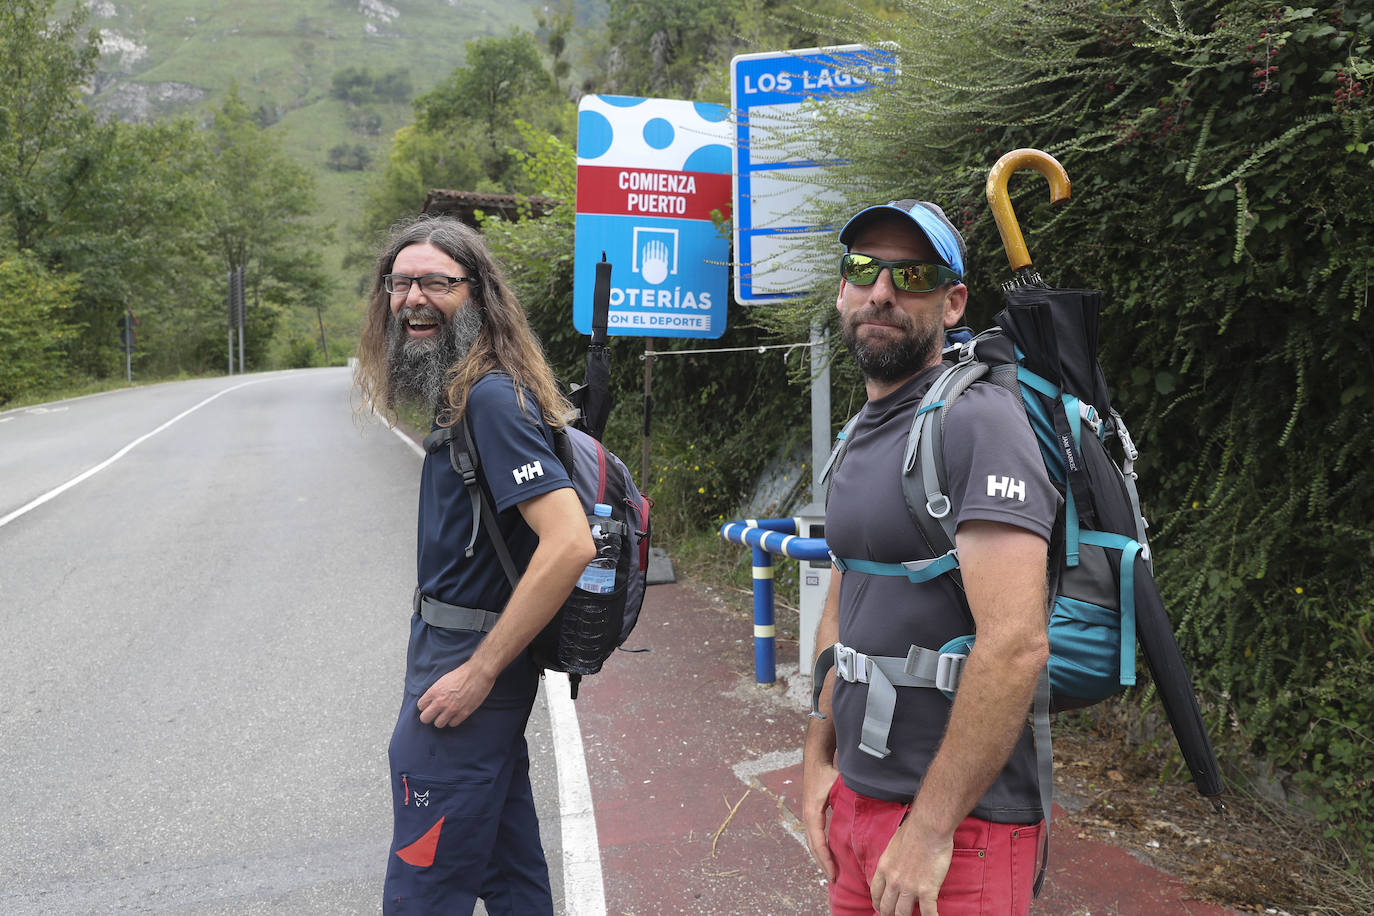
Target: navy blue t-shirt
{"x": 518, "y": 464}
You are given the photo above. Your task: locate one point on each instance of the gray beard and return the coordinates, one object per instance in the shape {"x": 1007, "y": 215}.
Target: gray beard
{"x": 895, "y": 360}
{"x": 418, "y": 368}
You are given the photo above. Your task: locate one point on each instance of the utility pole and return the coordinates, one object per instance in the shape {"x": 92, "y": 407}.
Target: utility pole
{"x": 128, "y": 339}
{"x": 240, "y": 316}
{"x": 235, "y": 304}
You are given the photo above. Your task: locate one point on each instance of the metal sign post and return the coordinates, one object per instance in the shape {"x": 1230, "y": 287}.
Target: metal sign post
{"x": 229, "y": 301}
{"x": 128, "y": 339}
{"x": 239, "y": 308}
{"x": 235, "y": 303}
{"x": 780, "y": 249}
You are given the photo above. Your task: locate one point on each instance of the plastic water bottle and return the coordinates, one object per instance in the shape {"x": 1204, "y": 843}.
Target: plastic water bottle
{"x": 599, "y": 576}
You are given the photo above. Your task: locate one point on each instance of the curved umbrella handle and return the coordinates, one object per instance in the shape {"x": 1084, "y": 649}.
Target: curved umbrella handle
{"x": 1012, "y": 239}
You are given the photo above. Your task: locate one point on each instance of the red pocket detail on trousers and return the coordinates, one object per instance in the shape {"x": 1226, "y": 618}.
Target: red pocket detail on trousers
{"x": 421, "y": 852}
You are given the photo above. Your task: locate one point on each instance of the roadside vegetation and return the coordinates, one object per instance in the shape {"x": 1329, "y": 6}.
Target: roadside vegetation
{"x": 1222, "y": 160}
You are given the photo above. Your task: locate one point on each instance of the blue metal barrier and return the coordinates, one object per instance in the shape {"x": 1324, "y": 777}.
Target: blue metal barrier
{"x": 766, "y": 537}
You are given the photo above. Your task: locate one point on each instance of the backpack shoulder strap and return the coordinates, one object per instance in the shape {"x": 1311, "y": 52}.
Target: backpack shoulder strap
{"x": 832, "y": 464}
{"x": 924, "y": 488}
{"x": 467, "y": 464}
{"x": 987, "y": 357}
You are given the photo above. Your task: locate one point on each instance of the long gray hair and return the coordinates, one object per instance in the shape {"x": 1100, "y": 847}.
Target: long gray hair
{"x": 506, "y": 342}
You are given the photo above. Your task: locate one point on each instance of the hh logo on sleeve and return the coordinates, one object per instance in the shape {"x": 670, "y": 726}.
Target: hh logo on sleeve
{"x": 529, "y": 472}
{"x": 1006, "y": 487}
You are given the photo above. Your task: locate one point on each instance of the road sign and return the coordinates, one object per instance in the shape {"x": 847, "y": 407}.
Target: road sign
{"x": 776, "y": 175}
{"x": 128, "y": 331}
{"x": 651, "y": 174}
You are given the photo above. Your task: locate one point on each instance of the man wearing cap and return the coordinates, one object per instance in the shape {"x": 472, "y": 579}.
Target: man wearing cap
{"x": 946, "y": 818}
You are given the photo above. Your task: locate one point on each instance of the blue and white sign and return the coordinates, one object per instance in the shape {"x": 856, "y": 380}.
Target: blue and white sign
{"x": 775, "y": 95}
{"x": 651, "y": 174}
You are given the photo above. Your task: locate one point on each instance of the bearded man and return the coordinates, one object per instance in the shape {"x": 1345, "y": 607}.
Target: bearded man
{"x": 444, "y": 330}
{"x": 940, "y": 816}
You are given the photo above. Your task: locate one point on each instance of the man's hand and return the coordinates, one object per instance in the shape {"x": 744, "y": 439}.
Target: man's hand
{"x": 453, "y": 697}
{"x": 818, "y": 776}
{"x": 910, "y": 871}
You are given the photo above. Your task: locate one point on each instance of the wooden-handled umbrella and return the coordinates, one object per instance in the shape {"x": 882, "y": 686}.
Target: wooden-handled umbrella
{"x": 1057, "y": 330}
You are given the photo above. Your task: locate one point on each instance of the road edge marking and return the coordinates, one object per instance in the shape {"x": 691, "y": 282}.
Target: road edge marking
{"x": 91, "y": 472}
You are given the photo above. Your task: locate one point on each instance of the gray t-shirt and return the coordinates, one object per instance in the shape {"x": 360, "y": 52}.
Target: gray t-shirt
{"x": 994, "y": 473}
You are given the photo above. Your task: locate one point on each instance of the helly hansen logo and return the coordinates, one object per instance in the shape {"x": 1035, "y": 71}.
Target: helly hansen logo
{"x": 528, "y": 472}
{"x": 1005, "y": 486}
{"x": 1070, "y": 457}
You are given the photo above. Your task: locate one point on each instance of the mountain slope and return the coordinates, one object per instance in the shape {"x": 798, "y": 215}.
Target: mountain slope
{"x": 165, "y": 58}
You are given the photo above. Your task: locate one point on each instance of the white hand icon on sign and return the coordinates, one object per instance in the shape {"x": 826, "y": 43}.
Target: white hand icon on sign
{"x": 654, "y": 262}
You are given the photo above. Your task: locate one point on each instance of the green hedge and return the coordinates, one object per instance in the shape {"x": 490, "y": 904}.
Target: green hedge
{"x": 35, "y": 326}
{"x": 1222, "y": 170}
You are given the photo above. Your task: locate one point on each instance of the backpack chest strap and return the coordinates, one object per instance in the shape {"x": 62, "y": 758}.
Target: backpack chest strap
{"x": 916, "y": 570}
{"x": 884, "y": 674}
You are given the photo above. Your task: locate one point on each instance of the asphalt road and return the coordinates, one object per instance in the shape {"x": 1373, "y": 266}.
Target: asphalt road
{"x": 201, "y": 650}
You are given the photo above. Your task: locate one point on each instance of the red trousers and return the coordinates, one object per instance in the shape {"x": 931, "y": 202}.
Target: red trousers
{"x": 991, "y": 874}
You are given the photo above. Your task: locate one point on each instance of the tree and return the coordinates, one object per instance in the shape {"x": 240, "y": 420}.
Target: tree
{"x": 555, "y": 23}
{"x": 261, "y": 201}
{"x": 500, "y": 79}
{"x": 135, "y": 233}
{"x": 93, "y": 201}
{"x": 416, "y": 163}
{"x": 42, "y": 67}
{"x": 348, "y": 157}
{"x": 465, "y": 135}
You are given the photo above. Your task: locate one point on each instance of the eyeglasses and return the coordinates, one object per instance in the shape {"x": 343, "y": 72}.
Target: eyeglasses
{"x": 910, "y": 276}
{"x": 430, "y": 284}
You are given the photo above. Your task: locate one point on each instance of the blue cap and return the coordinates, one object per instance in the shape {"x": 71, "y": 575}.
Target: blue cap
{"x": 928, "y": 217}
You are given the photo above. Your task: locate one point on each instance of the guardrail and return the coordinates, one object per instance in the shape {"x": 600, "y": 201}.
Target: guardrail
{"x": 767, "y": 537}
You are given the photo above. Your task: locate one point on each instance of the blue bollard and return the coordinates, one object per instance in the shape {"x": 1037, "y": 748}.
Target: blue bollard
{"x": 764, "y": 629}
{"x": 768, "y": 537}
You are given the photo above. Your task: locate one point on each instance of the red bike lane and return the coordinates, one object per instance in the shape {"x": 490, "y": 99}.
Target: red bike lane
{"x": 695, "y": 773}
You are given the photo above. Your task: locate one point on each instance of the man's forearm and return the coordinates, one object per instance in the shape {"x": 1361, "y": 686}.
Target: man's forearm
{"x": 531, "y": 606}
{"x": 987, "y": 720}
{"x": 1004, "y": 579}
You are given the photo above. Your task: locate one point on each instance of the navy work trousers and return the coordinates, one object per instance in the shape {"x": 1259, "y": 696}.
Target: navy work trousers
{"x": 465, "y": 824}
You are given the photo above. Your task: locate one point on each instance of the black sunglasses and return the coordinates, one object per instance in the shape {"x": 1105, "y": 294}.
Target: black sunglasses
{"x": 910, "y": 276}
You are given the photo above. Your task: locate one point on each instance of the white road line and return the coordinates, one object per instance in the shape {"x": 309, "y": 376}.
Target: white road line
{"x": 584, "y": 889}
{"x": 91, "y": 472}
{"x": 768, "y": 763}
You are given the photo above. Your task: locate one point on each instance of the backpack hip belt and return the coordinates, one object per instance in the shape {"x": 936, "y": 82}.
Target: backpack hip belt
{"x": 883, "y": 674}
{"x": 446, "y": 616}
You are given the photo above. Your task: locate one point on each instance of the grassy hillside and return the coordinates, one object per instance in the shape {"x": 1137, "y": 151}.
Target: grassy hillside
{"x": 172, "y": 57}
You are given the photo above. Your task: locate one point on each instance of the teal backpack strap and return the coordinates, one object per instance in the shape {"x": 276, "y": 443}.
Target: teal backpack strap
{"x": 832, "y": 463}
{"x": 917, "y": 571}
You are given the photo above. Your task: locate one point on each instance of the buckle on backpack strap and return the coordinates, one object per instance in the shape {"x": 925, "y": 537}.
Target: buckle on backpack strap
{"x": 948, "y": 671}
{"x": 851, "y": 665}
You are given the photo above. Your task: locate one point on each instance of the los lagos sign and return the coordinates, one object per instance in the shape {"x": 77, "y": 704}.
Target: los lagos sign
{"x": 776, "y": 172}
{"x": 650, "y": 175}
